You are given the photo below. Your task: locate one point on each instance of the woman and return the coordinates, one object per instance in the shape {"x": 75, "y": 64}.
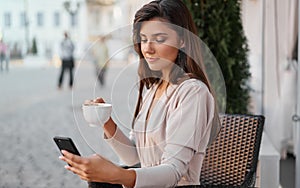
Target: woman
{"x": 174, "y": 121}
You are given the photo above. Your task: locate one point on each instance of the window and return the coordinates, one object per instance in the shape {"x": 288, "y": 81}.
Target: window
{"x": 23, "y": 19}
{"x": 40, "y": 19}
{"x": 7, "y": 19}
{"x": 56, "y": 19}
{"x": 74, "y": 20}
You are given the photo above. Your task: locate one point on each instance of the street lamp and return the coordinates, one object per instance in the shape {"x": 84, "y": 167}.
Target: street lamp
{"x": 72, "y": 7}
{"x": 26, "y": 24}
{"x": 102, "y": 2}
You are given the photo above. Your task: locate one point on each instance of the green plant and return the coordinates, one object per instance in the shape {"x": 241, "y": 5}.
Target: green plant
{"x": 34, "y": 47}
{"x": 219, "y": 26}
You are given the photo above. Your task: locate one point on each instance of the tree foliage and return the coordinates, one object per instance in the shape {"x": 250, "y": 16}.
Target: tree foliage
{"x": 34, "y": 49}
{"x": 220, "y": 27}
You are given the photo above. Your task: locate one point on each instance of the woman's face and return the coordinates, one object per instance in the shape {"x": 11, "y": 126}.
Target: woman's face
{"x": 159, "y": 45}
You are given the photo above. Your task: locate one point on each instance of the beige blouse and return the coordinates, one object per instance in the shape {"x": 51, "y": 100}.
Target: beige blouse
{"x": 170, "y": 146}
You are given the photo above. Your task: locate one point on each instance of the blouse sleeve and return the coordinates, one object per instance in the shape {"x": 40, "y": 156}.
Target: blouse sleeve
{"x": 188, "y": 127}
{"x": 124, "y": 148}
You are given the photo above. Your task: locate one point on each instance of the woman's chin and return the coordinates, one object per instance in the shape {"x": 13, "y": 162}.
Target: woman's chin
{"x": 155, "y": 68}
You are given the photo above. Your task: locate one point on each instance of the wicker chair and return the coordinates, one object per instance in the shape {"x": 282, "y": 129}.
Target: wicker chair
{"x": 232, "y": 158}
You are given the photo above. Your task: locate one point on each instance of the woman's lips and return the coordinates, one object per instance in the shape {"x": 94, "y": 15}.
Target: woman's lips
{"x": 151, "y": 59}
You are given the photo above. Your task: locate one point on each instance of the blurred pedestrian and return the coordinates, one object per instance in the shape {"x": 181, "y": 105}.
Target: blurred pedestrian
{"x": 67, "y": 50}
{"x": 100, "y": 53}
{"x": 4, "y": 55}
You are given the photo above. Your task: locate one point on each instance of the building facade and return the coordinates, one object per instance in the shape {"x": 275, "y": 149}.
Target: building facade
{"x": 25, "y": 22}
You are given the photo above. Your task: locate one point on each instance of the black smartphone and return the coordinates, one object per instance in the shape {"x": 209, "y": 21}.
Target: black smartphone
{"x": 66, "y": 143}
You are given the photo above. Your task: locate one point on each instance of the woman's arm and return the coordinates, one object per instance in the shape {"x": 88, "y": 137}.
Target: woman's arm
{"x": 109, "y": 128}
{"x": 120, "y": 143}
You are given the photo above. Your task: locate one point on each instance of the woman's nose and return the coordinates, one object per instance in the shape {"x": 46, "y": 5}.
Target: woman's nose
{"x": 148, "y": 47}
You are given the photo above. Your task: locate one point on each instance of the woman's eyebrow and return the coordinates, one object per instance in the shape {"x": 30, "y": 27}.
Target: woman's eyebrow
{"x": 154, "y": 35}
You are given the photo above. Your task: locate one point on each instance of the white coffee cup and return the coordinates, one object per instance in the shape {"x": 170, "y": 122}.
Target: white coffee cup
{"x": 96, "y": 114}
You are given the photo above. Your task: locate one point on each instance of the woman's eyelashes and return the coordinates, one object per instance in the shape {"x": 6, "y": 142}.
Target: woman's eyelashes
{"x": 143, "y": 40}
{"x": 157, "y": 40}
{"x": 160, "y": 40}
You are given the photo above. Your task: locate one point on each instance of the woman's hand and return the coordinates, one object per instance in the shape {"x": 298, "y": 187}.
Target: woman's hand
{"x": 93, "y": 168}
{"x": 97, "y": 100}
{"x": 98, "y": 169}
{"x": 109, "y": 127}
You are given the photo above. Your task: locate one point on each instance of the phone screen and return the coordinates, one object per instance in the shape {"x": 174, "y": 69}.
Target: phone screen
{"x": 65, "y": 143}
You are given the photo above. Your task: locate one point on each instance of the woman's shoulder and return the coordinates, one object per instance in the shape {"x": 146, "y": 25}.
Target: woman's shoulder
{"x": 192, "y": 84}
{"x": 190, "y": 88}
{"x": 190, "y": 91}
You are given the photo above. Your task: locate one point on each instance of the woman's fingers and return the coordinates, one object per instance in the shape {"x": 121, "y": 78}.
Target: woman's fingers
{"x": 76, "y": 164}
{"x": 88, "y": 102}
{"x": 99, "y": 100}
{"x": 92, "y": 168}
{"x": 71, "y": 159}
{"x": 77, "y": 171}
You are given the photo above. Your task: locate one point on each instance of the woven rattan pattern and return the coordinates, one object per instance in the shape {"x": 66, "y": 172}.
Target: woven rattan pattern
{"x": 232, "y": 158}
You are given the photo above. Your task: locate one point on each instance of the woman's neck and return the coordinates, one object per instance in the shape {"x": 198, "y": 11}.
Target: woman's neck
{"x": 163, "y": 85}
{"x": 161, "y": 88}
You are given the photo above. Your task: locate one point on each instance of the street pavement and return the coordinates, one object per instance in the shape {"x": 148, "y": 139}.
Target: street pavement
{"x": 33, "y": 111}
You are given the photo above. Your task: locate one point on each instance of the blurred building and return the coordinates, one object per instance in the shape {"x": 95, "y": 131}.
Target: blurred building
{"x": 24, "y": 21}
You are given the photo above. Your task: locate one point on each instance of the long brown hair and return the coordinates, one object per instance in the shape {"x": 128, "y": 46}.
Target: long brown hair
{"x": 189, "y": 61}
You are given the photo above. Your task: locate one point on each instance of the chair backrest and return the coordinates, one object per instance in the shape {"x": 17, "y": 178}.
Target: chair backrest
{"x": 231, "y": 160}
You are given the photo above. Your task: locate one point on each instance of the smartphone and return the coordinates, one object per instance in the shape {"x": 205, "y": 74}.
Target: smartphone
{"x": 66, "y": 143}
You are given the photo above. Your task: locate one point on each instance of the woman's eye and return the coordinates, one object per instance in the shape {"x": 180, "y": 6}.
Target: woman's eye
{"x": 143, "y": 40}
{"x": 160, "y": 40}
